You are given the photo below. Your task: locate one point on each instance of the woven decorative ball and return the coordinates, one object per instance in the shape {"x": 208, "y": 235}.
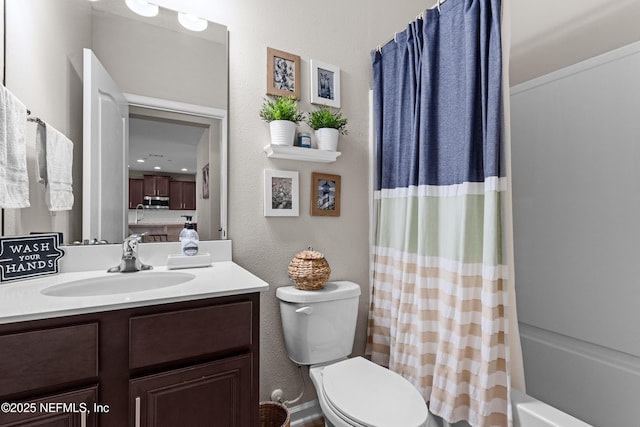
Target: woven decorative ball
{"x": 309, "y": 270}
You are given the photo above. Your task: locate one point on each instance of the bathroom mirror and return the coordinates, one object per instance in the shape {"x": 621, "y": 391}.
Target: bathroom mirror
{"x": 176, "y": 82}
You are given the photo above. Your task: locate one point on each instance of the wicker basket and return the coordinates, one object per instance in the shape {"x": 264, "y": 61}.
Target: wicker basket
{"x": 309, "y": 270}
{"x": 273, "y": 414}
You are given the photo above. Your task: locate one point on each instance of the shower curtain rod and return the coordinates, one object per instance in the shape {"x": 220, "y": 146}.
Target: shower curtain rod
{"x": 420, "y": 16}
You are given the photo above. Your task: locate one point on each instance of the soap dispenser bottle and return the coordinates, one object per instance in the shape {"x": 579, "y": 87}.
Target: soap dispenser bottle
{"x": 189, "y": 238}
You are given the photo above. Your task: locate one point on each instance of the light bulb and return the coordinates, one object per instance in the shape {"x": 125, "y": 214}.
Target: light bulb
{"x": 192, "y": 22}
{"x": 143, "y": 8}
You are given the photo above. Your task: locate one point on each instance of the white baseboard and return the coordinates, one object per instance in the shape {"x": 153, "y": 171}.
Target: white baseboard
{"x": 305, "y": 412}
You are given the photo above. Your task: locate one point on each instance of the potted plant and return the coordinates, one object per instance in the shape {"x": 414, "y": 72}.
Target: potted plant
{"x": 283, "y": 116}
{"x": 328, "y": 125}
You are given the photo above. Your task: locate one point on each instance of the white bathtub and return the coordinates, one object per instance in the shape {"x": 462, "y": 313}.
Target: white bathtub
{"x": 529, "y": 412}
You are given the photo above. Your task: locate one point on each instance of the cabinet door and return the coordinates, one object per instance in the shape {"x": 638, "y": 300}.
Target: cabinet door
{"x": 71, "y": 409}
{"x": 189, "y": 195}
{"x": 211, "y": 394}
{"x": 149, "y": 185}
{"x": 162, "y": 186}
{"x": 156, "y": 185}
{"x": 136, "y": 192}
{"x": 183, "y": 195}
{"x": 175, "y": 198}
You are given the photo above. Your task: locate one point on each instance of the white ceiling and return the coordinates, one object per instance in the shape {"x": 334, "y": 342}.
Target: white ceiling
{"x": 162, "y": 144}
{"x": 547, "y": 35}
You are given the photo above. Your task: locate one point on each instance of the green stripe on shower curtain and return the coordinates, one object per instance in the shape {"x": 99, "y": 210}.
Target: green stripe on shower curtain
{"x": 441, "y": 218}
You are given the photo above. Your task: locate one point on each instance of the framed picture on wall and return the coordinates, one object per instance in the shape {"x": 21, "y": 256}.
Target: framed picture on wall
{"x": 283, "y": 73}
{"x": 325, "y": 194}
{"x": 281, "y": 193}
{"x": 325, "y": 84}
{"x": 205, "y": 181}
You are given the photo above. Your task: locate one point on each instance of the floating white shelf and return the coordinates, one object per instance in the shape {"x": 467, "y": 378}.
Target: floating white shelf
{"x": 300, "y": 153}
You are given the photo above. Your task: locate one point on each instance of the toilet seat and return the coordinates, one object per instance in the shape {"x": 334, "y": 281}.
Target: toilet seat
{"x": 365, "y": 394}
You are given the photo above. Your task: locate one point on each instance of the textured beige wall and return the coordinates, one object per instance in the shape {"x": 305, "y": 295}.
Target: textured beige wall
{"x": 339, "y": 33}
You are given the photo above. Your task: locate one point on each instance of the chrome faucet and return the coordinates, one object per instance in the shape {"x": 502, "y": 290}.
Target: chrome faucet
{"x": 141, "y": 206}
{"x": 130, "y": 262}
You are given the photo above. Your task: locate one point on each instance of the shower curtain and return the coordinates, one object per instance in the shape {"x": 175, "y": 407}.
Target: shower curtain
{"x": 438, "y": 313}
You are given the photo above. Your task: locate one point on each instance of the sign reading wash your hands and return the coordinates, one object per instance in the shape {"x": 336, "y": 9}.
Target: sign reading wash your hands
{"x": 29, "y": 256}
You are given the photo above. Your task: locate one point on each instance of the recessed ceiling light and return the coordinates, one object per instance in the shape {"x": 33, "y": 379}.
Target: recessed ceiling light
{"x": 184, "y": 169}
{"x": 140, "y": 160}
{"x": 192, "y": 22}
{"x": 157, "y": 167}
{"x": 143, "y": 8}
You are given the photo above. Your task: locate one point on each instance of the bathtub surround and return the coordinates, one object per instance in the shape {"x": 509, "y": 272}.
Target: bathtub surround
{"x": 439, "y": 296}
{"x": 575, "y": 158}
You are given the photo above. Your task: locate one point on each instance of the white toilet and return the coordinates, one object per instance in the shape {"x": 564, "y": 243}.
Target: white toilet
{"x": 319, "y": 327}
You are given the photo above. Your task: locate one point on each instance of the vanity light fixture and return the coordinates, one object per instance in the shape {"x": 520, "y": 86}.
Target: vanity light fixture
{"x": 192, "y": 22}
{"x": 143, "y": 8}
{"x": 187, "y": 20}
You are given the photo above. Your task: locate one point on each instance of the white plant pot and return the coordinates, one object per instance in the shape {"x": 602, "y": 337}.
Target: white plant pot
{"x": 282, "y": 132}
{"x": 327, "y": 139}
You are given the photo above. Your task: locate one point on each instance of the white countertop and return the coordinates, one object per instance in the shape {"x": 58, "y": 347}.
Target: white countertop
{"x": 23, "y": 300}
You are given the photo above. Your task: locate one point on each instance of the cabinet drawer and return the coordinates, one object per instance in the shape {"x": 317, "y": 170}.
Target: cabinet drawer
{"x": 184, "y": 334}
{"x": 48, "y": 357}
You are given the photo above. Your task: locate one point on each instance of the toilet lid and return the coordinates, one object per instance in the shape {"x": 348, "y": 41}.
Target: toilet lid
{"x": 372, "y": 395}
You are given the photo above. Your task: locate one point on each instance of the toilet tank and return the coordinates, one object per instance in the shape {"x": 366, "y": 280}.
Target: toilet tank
{"x": 319, "y": 326}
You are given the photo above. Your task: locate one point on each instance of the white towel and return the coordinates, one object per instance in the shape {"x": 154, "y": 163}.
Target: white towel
{"x": 55, "y": 163}
{"x": 14, "y": 181}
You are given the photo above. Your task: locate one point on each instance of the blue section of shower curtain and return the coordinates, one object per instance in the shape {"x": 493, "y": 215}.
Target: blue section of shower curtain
{"x": 437, "y": 93}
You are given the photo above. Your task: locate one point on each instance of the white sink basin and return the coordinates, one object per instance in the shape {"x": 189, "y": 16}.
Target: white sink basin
{"x": 118, "y": 283}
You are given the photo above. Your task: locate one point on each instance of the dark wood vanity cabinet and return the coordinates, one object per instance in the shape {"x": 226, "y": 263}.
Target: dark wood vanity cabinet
{"x": 191, "y": 363}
